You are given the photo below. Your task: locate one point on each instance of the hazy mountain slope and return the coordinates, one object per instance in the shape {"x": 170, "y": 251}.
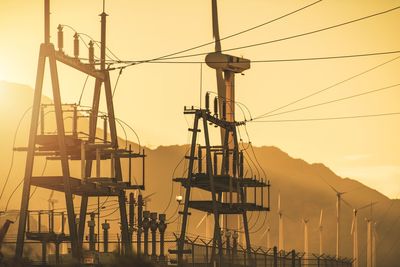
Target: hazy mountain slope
{"x": 303, "y": 188}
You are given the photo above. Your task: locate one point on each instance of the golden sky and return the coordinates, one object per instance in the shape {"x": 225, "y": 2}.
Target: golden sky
{"x": 150, "y": 97}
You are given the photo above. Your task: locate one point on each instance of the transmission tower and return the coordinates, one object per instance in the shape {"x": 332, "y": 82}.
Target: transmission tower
{"x": 64, "y": 146}
{"x": 221, "y": 173}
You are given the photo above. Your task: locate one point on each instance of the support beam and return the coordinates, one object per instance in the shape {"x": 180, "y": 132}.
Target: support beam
{"x": 31, "y": 151}
{"x": 63, "y": 154}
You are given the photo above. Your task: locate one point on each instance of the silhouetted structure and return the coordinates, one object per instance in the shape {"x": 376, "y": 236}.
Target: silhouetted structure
{"x": 65, "y": 146}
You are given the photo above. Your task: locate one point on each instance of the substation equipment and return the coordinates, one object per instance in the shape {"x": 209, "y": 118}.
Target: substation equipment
{"x": 66, "y": 146}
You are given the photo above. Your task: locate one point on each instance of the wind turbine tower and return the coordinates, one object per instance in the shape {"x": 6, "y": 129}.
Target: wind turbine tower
{"x": 320, "y": 228}
{"x": 306, "y": 250}
{"x": 354, "y": 232}
{"x": 338, "y": 209}
{"x": 281, "y": 240}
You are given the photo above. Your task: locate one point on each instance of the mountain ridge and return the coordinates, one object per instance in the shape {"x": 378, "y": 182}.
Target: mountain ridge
{"x": 303, "y": 187}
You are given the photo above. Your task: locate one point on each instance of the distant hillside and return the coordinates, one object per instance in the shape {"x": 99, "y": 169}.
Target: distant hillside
{"x": 303, "y": 188}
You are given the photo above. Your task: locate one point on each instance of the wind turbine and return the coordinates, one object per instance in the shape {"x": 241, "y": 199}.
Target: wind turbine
{"x": 226, "y": 66}
{"x": 281, "y": 240}
{"x": 354, "y": 232}
{"x": 371, "y": 241}
{"x": 371, "y": 251}
{"x": 305, "y": 222}
{"x": 320, "y": 233}
{"x": 338, "y": 209}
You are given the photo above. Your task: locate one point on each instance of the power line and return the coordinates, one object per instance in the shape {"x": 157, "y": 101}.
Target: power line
{"x": 13, "y": 152}
{"x": 83, "y": 90}
{"x": 269, "y": 60}
{"x": 333, "y": 118}
{"x": 292, "y": 36}
{"x": 19, "y": 184}
{"x": 226, "y": 37}
{"x": 328, "y": 88}
{"x": 332, "y": 101}
{"x": 116, "y": 83}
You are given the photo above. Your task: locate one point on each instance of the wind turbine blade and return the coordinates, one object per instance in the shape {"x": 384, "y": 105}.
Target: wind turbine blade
{"x": 352, "y": 223}
{"x": 219, "y": 74}
{"x": 347, "y": 203}
{"x": 279, "y": 202}
{"x": 368, "y": 205}
{"x": 201, "y": 221}
{"x": 215, "y": 26}
{"x": 334, "y": 189}
{"x": 320, "y": 218}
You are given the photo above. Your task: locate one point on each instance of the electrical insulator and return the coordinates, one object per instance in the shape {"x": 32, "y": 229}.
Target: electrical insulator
{"x": 60, "y": 38}
{"x": 162, "y": 226}
{"x": 146, "y": 227}
{"x": 216, "y": 107}
{"x": 139, "y": 224}
{"x": 131, "y": 211}
{"x": 207, "y": 101}
{"x": 91, "y": 225}
{"x": 76, "y": 45}
{"x": 224, "y": 109}
{"x": 91, "y": 53}
{"x": 106, "y": 227}
{"x": 153, "y": 228}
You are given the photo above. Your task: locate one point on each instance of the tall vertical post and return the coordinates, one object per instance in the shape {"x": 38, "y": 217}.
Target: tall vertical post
{"x": 338, "y": 226}
{"x": 44, "y": 252}
{"x": 294, "y": 258}
{"x": 46, "y": 21}
{"x": 131, "y": 215}
{"x": 91, "y": 225}
{"x": 42, "y": 120}
{"x": 83, "y": 161}
{"x": 162, "y": 227}
{"x": 140, "y": 225}
{"x": 31, "y": 150}
{"x": 153, "y": 228}
{"x": 146, "y": 226}
{"x": 103, "y": 41}
{"x": 181, "y": 239}
{"x": 199, "y": 159}
{"x": 275, "y": 251}
{"x": 355, "y": 239}
{"x": 98, "y": 163}
{"x": 75, "y": 122}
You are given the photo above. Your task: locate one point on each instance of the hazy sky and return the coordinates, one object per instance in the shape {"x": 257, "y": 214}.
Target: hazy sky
{"x": 150, "y": 97}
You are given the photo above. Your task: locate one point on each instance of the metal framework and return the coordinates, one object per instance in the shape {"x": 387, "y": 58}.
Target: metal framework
{"x": 227, "y": 178}
{"x": 64, "y": 147}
